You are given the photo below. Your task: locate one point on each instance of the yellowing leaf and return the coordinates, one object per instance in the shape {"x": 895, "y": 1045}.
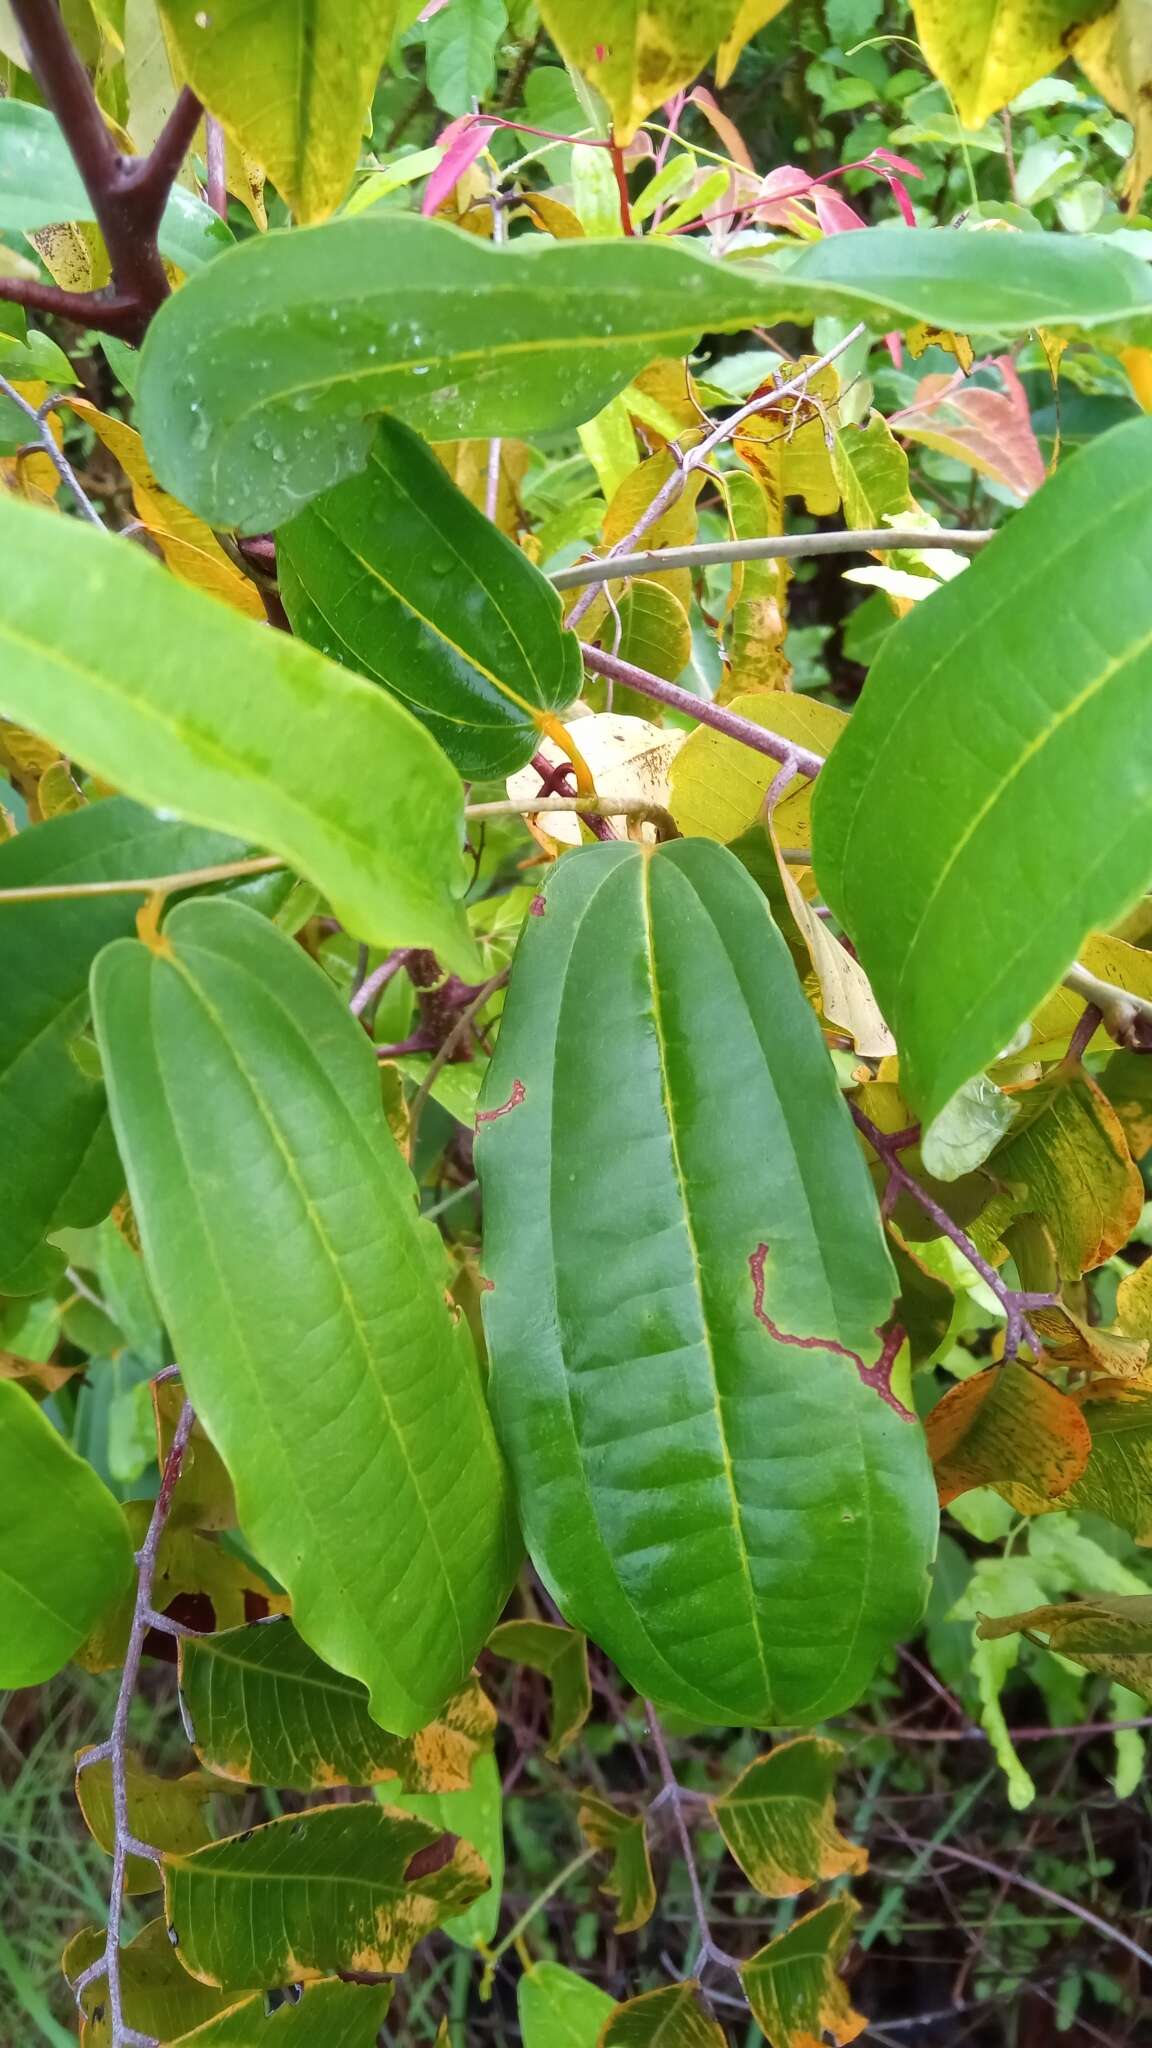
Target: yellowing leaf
{"x": 1108, "y": 1634}
{"x": 636, "y": 53}
{"x": 168, "y": 1812}
{"x": 1007, "y": 1426}
{"x": 1134, "y": 1301}
{"x": 1066, "y": 1161}
{"x": 675, "y": 528}
{"x": 467, "y": 465}
{"x": 669, "y": 2018}
{"x": 779, "y": 1822}
{"x": 1116, "y": 52}
{"x": 1117, "y": 1480}
{"x": 792, "y": 1985}
{"x": 751, "y": 17}
{"x": 986, "y": 51}
{"x": 74, "y": 255}
{"x": 786, "y": 442}
{"x": 719, "y": 785}
{"x": 629, "y": 760}
{"x": 755, "y": 637}
{"x": 562, "y": 1655}
{"x": 189, "y": 546}
{"x": 290, "y": 81}
{"x": 1112, "y": 959}
{"x": 626, "y": 1836}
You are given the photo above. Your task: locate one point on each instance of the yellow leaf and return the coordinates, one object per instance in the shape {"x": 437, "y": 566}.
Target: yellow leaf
{"x": 1065, "y": 1160}
{"x": 189, "y": 547}
{"x": 719, "y": 785}
{"x": 1111, "y": 1635}
{"x": 467, "y": 465}
{"x": 1138, "y": 363}
{"x": 74, "y": 255}
{"x": 751, "y": 17}
{"x": 675, "y": 528}
{"x": 635, "y": 53}
{"x": 986, "y": 51}
{"x": 554, "y": 217}
{"x": 1116, "y": 53}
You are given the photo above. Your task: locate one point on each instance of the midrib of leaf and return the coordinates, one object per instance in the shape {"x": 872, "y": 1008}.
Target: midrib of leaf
{"x": 344, "y": 1688}
{"x": 735, "y": 1513}
{"x": 293, "y": 1176}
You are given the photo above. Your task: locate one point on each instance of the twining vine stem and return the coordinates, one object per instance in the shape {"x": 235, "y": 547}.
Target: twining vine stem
{"x": 775, "y": 547}
{"x": 673, "y": 1792}
{"x": 114, "y": 1750}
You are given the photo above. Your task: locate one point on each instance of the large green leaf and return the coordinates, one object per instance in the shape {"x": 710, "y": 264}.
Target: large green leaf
{"x": 318, "y": 1891}
{"x": 263, "y": 1708}
{"x": 717, "y": 1480}
{"x": 204, "y": 713}
{"x": 305, "y": 1301}
{"x": 387, "y": 312}
{"x": 399, "y": 575}
{"x": 65, "y": 1552}
{"x": 991, "y": 800}
{"x": 291, "y": 80}
{"x": 60, "y": 1163}
{"x": 40, "y": 185}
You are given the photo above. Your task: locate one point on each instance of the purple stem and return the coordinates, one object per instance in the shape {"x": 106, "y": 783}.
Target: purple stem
{"x": 673, "y": 1793}
{"x": 377, "y": 981}
{"x": 216, "y": 190}
{"x": 801, "y": 759}
{"x": 1014, "y": 1301}
{"x": 115, "y": 1748}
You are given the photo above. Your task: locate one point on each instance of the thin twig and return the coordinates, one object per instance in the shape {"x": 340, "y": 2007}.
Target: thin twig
{"x": 377, "y": 981}
{"x": 779, "y": 547}
{"x": 673, "y": 1793}
{"x": 43, "y": 439}
{"x": 744, "y": 729}
{"x": 125, "y": 1843}
{"x": 584, "y": 807}
{"x": 1039, "y": 1891}
{"x": 146, "y": 885}
{"x": 1014, "y": 1301}
{"x": 441, "y": 1058}
{"x": 216, "y": 189}
{"x": 674, "y": 485}
{"x": 1127, "y": 1018}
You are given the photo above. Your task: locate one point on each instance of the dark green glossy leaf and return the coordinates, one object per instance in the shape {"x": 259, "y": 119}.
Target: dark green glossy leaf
{"x": 717, "y": 1479}
{"x": 202, "y": 712}
{"x": 65, "y": 1552}
{"x": 396, "y": 574}
{"x": 60, "y": 1163}
{"x": 324, "y": 1890}
{"x": 263, "y": 1708}
{"x": 1005, "y": 726}
{"x": 40, "y": 185}
{"x": 393, "y": 313}
{"x": 305, "y": 1301}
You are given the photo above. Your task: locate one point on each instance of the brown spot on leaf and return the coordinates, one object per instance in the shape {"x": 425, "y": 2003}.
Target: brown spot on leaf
{"x": 435, "y": 1857}
{"x": 489, "y": 1116}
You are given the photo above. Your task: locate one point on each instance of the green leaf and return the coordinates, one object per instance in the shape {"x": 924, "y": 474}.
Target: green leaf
{"x": 395, "y": 573}
{"x": 638, "y": 56}
{"x": 203, "y": 712}
{"x": 291, "y": 81}
{"x": 326, "y": 2015}
{"x": 324, "y": 1890}
{"x": 40, "y": 185}
{"x": 681, "y": 1273}
{"x": 264, "y": 1709}
{"x": 1038, "y": 831}
{"x": 60, "y": 1163}
{"x": 168, "y": 1812}
{"x": 457, "y": 337}
{"x": 987, "y": 51}
{"x": 792, "y": 1985}
{"x": 305, "y": 1301}
{"x": 160, "y": 1998}
{"x": 65, "y": 1552}
{"x": 669, "y": 2018}
{"x": 558, "y": 2009}
{"x": 1111, "y": 1635}
{"x": 476, "y": 1814}
{"x": 460, "y": 51}
{"x": 779, "y": 1822}
{"x": 562, "y": 1655}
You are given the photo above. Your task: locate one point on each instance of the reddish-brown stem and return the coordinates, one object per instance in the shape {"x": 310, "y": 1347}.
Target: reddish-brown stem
{"x": 621, "y": 176}
{"x": 801, "y": 759}
{"x": 128, "y": 194}
{"x": 217, "y": 188}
